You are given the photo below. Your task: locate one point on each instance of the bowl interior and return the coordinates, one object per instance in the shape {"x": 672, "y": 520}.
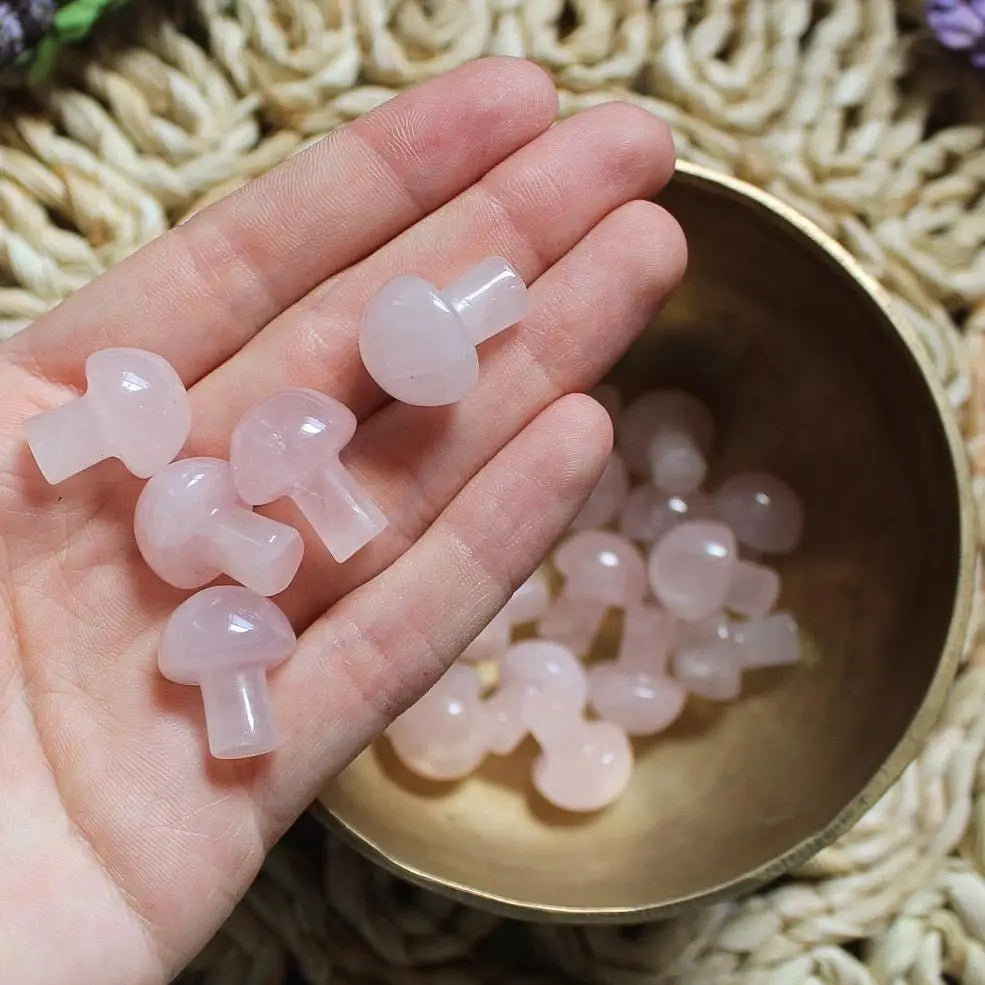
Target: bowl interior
{"x": 807, "y": 377}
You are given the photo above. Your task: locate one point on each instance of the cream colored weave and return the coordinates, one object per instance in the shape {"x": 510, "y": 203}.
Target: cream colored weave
{"x": 830, "y": 104}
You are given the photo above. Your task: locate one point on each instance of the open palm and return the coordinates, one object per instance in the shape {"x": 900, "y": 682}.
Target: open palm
{"x": 122, "y": 844}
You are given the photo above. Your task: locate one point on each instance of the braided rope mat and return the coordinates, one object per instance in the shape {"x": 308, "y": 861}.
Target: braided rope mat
{"x": 843, "y": 108}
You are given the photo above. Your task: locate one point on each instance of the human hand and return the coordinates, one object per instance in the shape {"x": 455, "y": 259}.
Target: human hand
{"x": 123, "y": 845}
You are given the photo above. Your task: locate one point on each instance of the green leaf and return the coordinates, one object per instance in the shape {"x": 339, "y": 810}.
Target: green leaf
{"x": 73, "y": 23}
{"x": 75, "y": 20}
{"x": 45, "y": 55}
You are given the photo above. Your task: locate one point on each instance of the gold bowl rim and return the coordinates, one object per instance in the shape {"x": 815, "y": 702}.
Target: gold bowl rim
{"x": 921, "y": 723}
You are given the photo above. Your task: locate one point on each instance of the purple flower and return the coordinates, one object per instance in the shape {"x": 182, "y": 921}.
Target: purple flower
{"x": 960, "y": 26}
{"x": 22, "y": 22}
{"x": 37, "y": 16}
{"x": 12, "y": 41}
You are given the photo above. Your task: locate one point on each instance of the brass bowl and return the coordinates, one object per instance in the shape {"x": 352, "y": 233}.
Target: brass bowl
{"x": 810, "y": 375}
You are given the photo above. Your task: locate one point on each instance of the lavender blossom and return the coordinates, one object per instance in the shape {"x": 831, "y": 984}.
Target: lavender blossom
{"x": 960, "y": 26}
{"x": 12, "y": 41}
{"x": 37, "y": 16}
{"x": 22, "y": 23}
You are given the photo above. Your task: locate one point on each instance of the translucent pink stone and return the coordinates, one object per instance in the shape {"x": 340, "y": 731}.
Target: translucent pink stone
{"x": 418, "y": 343}
{"x": 607, "y": 497}
{"x": 691, "y": 567}
{"x": 527, "y": 604}
{"x": 444, "y": 735}
{"x": 639, "y": 702}
{"x": 506, "y": 728}
{"x": 225, "y": 639}
{"x": 289, "y": 445}
{"x": 600, "y": 569}
{"x": 532, "y": 665}
{"x": 546, "y": 665}
{"x": 666, "y": 434}
{"x": 601, "y": 565}
{"x": 714, "y": 627}
{"x": 648, "y": 512}
{"x": 648, "y": 633}
{"x": 491, "y": 643}
{"x": 634, "y": 691}
{"x": 573, "y": 621}
{"x": 530, "y": 601}
{"x": 608, "y": 395}
{"x": 191, "y": 526}
{"x": 711, "y": 669}
{"x": 763, "y": 510}
{"x": 583, "y": 765}
{"x": 753, "y": 591}
{"x": 135, "y": 408}
{"x": 770, "y": 642}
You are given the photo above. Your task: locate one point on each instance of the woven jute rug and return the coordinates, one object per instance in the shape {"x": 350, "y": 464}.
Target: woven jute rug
{"x": 845, "y": 108}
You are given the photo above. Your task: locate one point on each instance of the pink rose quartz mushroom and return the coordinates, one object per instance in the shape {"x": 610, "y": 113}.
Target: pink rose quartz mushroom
{"x": 583, "y": 765}
{"x": 666, "y": 434}
{"x": 634, "y": 691}
{"x": 763, "y": 510}
{"x": 601, "y": 569}
{"x": 225, "y": 639}
{"x": 753, "y": 591}
{"x": 648, "y": 512}
{"x": 191, "y": 526}
{"x": 711, "y": 669}
{"x": 639, "y": 702}
{"x": 532, "y": 665}
{"x": 444, "y": 736}
{"x": 289, "y": 445}
{"x": 648, "y": 634}
{"x": 691, "y": 567}
{"x": 773, "y": 641}
{"x": 418, "y": 343}
{"x": 716, "y": 626}
{"x": 135, "y": 408}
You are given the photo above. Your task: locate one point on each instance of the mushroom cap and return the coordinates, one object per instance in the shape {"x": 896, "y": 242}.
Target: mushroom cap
{"x": 530, "y": 601}
{"x": 171, "y": 512}
{"x": 546, "y": 665}
{"x": 602, "y": 565}
{"x": 589, "y": 767}
{"x": 763, "y": 510}
{"x": 415, "y": 345}
{"x": 653, "y": 410}
{"x": 691, "y": 568}
{"x": 281, "y": 440}
{"x": 226, "y": 628}
{"x": 443, "y": 736}
{"x": 639, "y": 702}
{"x": 140, "y": 407}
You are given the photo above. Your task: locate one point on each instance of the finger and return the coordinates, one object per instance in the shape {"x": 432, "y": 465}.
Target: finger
{"x": 586, "y": 310}
{"x": 198, "y": 293}
{"x": 385, "y": 644}
{"x": 532, "y": 208}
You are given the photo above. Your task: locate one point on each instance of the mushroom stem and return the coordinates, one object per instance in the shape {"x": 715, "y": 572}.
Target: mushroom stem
{"x": 489, "y": 298}
{"x": 239, "y": 715}
{"x": 256, "y": 551}
{"x": 573, "y": 620}
{"x": 66, "y": 440}
{"x": 546, "y": 719}
{"x": 342, "y": 515}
